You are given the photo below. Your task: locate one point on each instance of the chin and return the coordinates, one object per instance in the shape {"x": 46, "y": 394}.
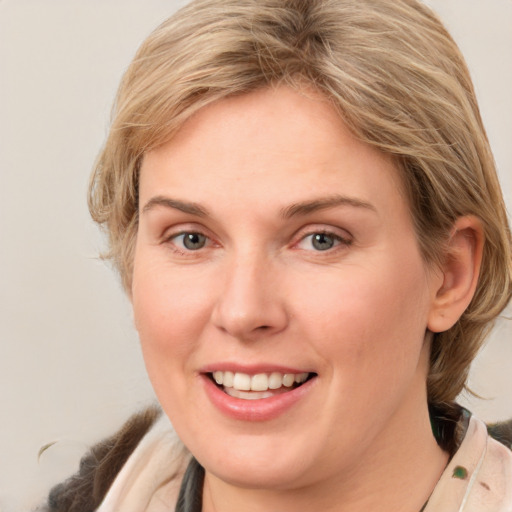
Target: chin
{"x": 257, "y": 476}
{"x": 272, "y": 462}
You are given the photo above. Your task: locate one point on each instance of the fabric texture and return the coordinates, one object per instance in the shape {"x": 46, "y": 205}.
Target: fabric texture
{"x": 150, "y": 480}
{"x": 478, "y": 478}
{"x": 156, "y": 478}
{"x": 100, "y": 466}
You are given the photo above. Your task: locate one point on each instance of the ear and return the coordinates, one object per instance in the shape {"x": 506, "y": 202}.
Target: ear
{"x": 460, "y": 273}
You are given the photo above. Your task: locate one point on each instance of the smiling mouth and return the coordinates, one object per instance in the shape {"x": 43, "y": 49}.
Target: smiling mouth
{"x": 258, "y": 386}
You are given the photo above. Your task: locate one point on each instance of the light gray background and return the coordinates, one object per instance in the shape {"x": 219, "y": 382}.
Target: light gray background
{"x": 70, "y": 367}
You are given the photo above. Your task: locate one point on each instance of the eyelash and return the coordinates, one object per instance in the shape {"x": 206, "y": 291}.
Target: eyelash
{"x": 339, "y": 241}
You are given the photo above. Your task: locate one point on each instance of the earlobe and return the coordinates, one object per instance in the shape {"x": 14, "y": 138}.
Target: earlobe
{"x": 460, "y": 271}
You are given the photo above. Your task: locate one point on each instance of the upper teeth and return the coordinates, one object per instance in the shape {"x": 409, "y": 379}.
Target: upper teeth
{"x": 258, "y": 382}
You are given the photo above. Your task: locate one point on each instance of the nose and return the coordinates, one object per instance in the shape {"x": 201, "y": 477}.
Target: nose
{"x": 250, "y": 302}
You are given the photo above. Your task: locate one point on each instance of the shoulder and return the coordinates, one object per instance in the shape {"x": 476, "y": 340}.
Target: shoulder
{"x": 479, "y": 474}
{"x": 502, "y": 432}
{"x": 493, "y": 483}
{"x": 84, "y": 491}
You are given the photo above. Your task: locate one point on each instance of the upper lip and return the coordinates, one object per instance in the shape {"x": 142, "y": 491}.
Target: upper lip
{"x": 251, "y": 369}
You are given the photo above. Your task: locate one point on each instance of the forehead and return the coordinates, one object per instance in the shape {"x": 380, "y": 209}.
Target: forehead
{"x": 279, "y": 138}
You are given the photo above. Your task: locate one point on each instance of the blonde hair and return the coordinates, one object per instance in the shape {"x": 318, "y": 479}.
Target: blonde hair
{"x": 397, "y": 79}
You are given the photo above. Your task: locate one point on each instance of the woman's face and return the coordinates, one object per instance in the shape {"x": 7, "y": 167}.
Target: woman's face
{"x": 274, "y": 247}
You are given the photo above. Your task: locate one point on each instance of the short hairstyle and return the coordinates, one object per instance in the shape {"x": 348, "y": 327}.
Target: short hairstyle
{"x": 398, "y": 81}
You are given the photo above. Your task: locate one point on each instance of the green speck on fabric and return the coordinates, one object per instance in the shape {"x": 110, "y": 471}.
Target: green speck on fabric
{"x": 460, "y": 472}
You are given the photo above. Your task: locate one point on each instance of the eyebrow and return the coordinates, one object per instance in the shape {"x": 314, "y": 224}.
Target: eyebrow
{"x": 183, "y": 206}
{"x": 295, "y": 209}
{"x": 323, "y": 203}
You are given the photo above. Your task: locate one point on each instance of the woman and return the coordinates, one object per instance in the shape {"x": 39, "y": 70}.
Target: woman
{"x": 303, "y": 207}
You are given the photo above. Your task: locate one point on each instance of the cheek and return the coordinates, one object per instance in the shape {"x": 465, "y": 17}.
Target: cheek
{"x": 166, "y": 319}
{"x": 369, "y": 320}
{"x": 170, "y": 311}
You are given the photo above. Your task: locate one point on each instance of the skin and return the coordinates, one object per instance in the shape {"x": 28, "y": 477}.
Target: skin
{"x": 260, "y": 293}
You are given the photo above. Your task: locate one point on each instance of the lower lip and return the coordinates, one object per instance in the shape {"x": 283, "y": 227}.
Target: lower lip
{"x": 264, "y": 409}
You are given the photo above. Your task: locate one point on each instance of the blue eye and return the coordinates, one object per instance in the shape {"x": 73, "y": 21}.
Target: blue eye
{"x": 190, "y": 241}
{"x": 322, "y": 241}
